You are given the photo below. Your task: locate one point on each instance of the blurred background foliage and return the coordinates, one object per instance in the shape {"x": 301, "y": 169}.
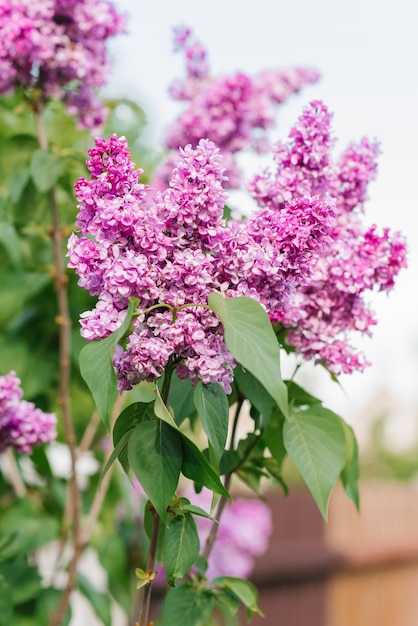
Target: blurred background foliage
{"x": 29, "y": 346}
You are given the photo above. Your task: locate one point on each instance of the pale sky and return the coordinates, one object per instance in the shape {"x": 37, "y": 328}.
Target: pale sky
{"x": 366, "y": 53}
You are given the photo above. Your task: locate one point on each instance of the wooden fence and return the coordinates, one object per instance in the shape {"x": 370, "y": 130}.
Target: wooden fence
{"x": 356, "y": 570}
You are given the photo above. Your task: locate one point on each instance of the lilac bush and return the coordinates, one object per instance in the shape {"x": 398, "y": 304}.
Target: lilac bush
{"x": 192, "y": 306}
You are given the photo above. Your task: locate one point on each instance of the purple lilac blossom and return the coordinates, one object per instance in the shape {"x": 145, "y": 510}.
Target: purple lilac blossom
{"x": 58, "y": 47}
{"x": 233, "y": 111}
{"x": 22, "y": 425}
{"x": 171, "y": 249}
{"x": 323, "y": 314}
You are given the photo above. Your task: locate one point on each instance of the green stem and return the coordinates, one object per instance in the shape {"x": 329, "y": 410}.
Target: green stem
{"x": 146, "y": 591}
{"x": 241, "y": 400}
{"x": 192, "y": 304}
{"x": 160, "y": 305}
{"x": 169, "y": 371}
{"x": 173, "y": 309}
{"x": 223, "y": 500}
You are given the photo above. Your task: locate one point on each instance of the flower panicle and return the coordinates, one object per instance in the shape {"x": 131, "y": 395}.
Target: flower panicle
{"x": 58, "y": 49}
{"x": 22, "y": 425}
{"x": 176, "y": 249}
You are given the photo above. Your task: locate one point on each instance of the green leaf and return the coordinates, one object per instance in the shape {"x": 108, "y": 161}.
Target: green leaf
{"x": 201, "y": 565}
{"x": 187, "y": 605}
{"x": 181, "y": 398}
{"x": 315, "y": 441}
{"x": 130, "y": 417}
{"x": 33, "y": 283}
{"x": 250, "y": 338}
{"x": 119, "y": 452}
{"x": 144, "y": 578}
{"x": 273, "y": 437}
{"x": 23, "y": 580}
{"x": 155, "y": 455}
{"x": 350, "y": 472}
{"x": 6, "y": 604}
{"x": 10, "y": 546}
{"x": 229, "y": 601}
{"x": 299, "y": 396}
{"x": 255, "y": 392}
{"x": 162, "y": 412}
{"x": 97, "y": 369}
{"x": 45, "y": 169}
{"x": 33, "y": 529}
{"x": 113, "y": 556}
{"x": 99, "y": 601}
{"x": 12, "y": 296}
{"x": 245, "y": 591}
{"x": 195, "y": 510}
{"x": 18, "y": 181}
{"x": 251, "y": 474}
{"x": 10, "y": 241}
{"x": 181, "y": 546}
{"x": 125, "y": 423}
{"x": 34, "y": 372}
{"x": 196, "y": 467}
{"x": 212, "y": 405}
{"x": 142, "y": 392}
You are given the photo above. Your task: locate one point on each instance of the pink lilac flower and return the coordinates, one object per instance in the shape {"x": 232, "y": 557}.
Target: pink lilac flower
{"x": 58, "y": 47}
{"x": 272, "y": 251}
{"x": 233, "y": 111}
{"x": 22, "y": 425}
{"x": 323, "y": 313}
{"x": 192, "y": 206}
{"x": 171, "y": 249}
{"x": 303, "y": 164}
{"x": 196, "y": 63}
{"x": 356, "y": 167}
{"x": 243, "y": 534}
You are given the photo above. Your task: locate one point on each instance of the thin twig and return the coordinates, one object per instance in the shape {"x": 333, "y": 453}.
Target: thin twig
{"x": 146, "y": 591}
{"x": 90, "y": 432}
{"x": 14, "y": 474}
{"x": 85, "y": 444}
{"x": 64, "y": 325}
{"x": 101, "y": 493}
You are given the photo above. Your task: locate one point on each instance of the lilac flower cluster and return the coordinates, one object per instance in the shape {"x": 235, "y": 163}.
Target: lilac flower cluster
{"x": 233, "y": 111}
{"x": 322, "y": 315}
{"x": 171, "y": 249}
{"x": 58, "y": 47}
{"x": 22, "y": 425}
{"x": 243, "y": 534}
